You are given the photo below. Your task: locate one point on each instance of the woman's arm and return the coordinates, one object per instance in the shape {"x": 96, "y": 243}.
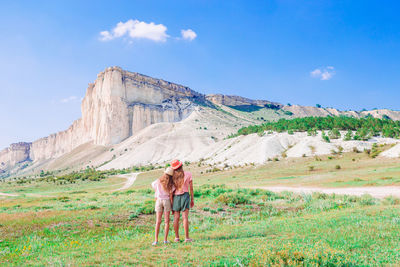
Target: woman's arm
{"x": 191, "y": 194}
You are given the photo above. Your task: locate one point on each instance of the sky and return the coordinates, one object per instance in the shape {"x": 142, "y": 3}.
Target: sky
{"x": 339, "y": 53}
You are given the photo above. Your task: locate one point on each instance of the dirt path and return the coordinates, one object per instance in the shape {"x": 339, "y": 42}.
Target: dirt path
{"x": 375, "y": 191}
{"x": 130, "y": 179}
{"x": 8, "y": 195}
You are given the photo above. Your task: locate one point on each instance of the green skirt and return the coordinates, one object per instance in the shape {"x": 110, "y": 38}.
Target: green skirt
{"x": 181, "y": 202}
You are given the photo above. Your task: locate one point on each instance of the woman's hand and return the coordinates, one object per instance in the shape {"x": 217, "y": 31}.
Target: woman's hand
{"x": 192, "y": 203}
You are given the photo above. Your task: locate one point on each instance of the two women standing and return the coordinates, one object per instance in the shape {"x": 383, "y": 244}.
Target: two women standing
{"x": 172, "y": 193}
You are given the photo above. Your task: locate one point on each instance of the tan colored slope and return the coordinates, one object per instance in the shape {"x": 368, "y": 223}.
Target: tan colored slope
{"x": 380, "y": 113}
{"x": 307, "y": 111}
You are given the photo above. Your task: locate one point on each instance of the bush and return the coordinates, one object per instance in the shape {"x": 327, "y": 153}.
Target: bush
{"x": 334, "y": 134}
{"x": 232, "y": 198}
{"x": 337, "y": 167}
{"x": 325, "y": 138}
{"x": 312, "y": 132}
{"x": 391, "y": 200}
{"x": 367, "y": 200}
{"x": 147, "y": 207}
{"x": 348, "y": 136}
{"x": 133, "y": 216}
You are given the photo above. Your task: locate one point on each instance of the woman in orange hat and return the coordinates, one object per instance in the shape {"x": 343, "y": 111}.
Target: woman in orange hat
{"x": 182, "y": 200}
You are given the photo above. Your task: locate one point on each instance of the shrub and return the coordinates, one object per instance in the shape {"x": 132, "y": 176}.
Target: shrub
{"x": 334, "y": 134}
{"x": 337, "y": 167}
{"x": 147, "y": 207}
{"x": 325, "y": 138}
{"x": 391, "y": 200}
{"x": 374, "y": 151}
{"x": 63, "y": 199}
{"x": 232, "y": 198}
{"x": 133, "y": 216}
{"x": 312, "y": 132}
{"x": 348, "y": 136}
{"x": 311, "y": 168}
{"x": 367, "y": 200}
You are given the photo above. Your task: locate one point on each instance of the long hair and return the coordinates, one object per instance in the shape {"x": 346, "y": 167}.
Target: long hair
{"x": 166, "y": 182}
{"x": 178, "y": 178}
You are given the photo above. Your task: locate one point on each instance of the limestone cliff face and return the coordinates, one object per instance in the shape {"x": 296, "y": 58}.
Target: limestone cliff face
{"x": 14, "y": 154}
{"x": 60, "y": 143}
{"x": 120, "y": 103}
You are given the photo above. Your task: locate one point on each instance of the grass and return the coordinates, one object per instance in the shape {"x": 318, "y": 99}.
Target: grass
{"x": 232, "y": 224}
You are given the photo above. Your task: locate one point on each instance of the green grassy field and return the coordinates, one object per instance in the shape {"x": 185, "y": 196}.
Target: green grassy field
{"x": 86, "y": 224}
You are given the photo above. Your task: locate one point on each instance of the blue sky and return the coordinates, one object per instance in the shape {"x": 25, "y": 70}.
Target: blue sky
{"x": 342, "y": 54}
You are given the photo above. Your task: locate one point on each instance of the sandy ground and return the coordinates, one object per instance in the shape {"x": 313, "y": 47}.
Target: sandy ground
{"x": 130, "y": 179}
{"x": 377, "y": 192}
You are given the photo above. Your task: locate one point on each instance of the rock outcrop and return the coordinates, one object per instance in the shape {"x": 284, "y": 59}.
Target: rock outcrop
{"x": 232, "y": 100}
{"x": 14, "y": 154}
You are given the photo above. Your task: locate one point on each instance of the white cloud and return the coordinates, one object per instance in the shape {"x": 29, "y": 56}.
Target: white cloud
{"x": 70, "y": 99}
{"x": 188, "y": 34}
{"x": 135, "y": 29}
{"x": 323, "y": 74}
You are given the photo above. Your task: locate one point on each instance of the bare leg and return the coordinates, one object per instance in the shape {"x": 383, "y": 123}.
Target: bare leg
{"x": 177, "y": 214}
{"x": 185, "y": 217}
{"x": 158, "y": 223}
{"x": 166, "y": 221}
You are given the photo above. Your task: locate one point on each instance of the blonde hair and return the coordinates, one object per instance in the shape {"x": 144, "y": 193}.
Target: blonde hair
{"x": 178, "y": 178}
{"x": 166, "y": 182}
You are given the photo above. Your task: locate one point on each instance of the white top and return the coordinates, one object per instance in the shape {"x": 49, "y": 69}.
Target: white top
{"x": 160, "y": 192}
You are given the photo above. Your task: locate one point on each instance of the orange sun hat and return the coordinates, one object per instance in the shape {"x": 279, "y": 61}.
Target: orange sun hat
{"x": 176, "y": 164}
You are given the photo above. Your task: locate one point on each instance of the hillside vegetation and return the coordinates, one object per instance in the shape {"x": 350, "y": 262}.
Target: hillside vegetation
{"x": 86, "y": 222}
{"x": 364, "y": 128}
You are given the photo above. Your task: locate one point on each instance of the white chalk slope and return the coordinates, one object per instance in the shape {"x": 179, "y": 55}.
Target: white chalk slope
{"x": 184, "y": 140}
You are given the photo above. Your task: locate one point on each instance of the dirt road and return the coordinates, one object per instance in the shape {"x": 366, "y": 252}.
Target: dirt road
{"x": 130, "y": 179}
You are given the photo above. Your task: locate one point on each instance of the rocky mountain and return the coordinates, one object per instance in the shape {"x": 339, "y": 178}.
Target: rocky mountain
{"x": 129, "y": 118}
